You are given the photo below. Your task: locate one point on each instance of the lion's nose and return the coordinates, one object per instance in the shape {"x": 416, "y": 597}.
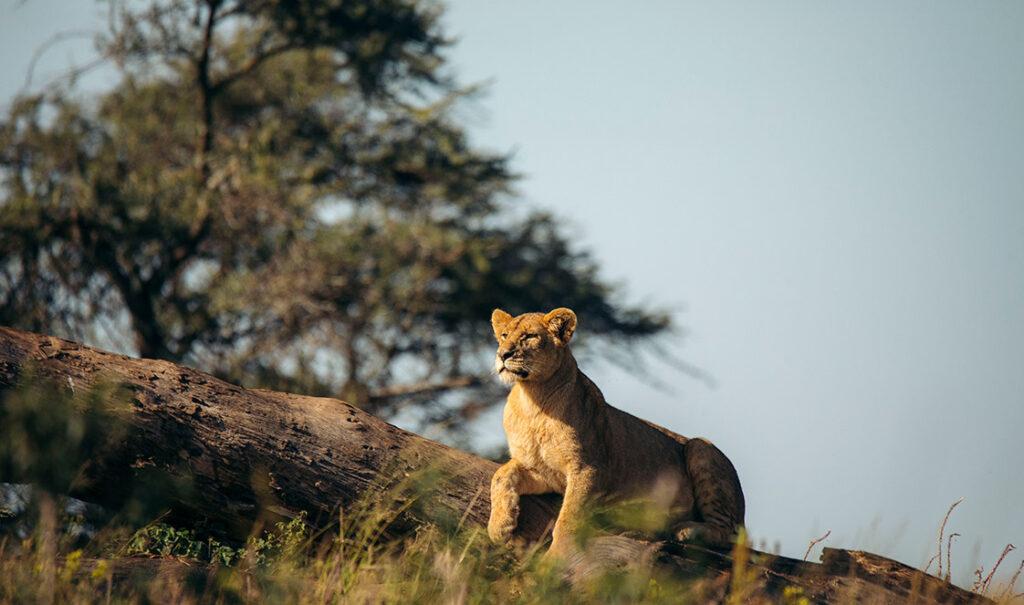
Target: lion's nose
{"x": 505, "y": 354}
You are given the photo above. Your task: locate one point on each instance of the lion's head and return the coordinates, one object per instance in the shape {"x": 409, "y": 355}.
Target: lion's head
{"x": 532, "y": 346}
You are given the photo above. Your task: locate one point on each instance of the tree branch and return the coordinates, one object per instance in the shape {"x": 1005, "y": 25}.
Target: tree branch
{"x": 424, "y": 388}
{"x": 206, "y": 93}
{"x": 254, "y": 63}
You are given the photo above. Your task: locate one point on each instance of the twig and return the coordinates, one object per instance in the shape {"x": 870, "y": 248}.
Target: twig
{"x": 949, "y": 556}
{"x": 942, "y": 529}
{"x": 930, "y": 561}
{"x": 815, "y": 542}
{"x": 49, "y": 43}
{"x": 73, "y": 73}
{"x": 988, "y": 578}
{"x": 424, "y": 388}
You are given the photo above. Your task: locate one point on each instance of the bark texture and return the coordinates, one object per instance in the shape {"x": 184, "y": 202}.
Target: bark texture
{"x": 247, "y": 453}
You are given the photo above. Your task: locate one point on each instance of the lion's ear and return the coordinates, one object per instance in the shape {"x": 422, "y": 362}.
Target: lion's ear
{"x": 499, "y": 319}
{"x": 561, "y": 323}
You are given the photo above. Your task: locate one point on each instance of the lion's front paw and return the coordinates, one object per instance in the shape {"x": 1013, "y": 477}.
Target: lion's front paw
{"x": 502, "y": 525}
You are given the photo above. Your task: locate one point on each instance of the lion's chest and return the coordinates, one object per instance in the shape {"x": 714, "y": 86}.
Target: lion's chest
{"x": 543, "y": 444}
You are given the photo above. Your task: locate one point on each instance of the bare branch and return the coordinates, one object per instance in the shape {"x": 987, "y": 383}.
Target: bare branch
{"x": 253, "y": 64}
{"x": 206, "y": 93}
{"x": 424, "y": 388}
{"x": 47, "y": 45}
{"x": 815, "y": 542}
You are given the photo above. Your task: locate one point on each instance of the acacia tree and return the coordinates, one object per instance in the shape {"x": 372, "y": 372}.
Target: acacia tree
{"x": 279, "y": 192}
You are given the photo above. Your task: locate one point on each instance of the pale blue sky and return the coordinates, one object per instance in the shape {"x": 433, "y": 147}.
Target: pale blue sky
{"x": 832, "y": 196}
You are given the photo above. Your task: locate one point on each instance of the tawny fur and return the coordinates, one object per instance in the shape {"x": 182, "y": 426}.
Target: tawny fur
{"x": 564, "y": 438}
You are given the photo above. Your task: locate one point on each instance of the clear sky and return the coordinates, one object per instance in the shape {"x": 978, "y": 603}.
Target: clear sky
{"x": 831, "y": 195}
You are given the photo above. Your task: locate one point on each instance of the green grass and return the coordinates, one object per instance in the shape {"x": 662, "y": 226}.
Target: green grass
{"x": 353, "y": 561}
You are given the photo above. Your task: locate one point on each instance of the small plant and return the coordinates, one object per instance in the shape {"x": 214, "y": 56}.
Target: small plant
{"x": 938, "y": 555}
{"x": 982, "y": 584}
{"x": 159, "y": 539}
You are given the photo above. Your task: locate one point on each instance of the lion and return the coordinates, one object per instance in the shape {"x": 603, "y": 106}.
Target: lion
{"x": 564, "y": 438}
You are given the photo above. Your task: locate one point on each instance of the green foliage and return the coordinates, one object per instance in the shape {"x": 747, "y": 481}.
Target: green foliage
{"x": 164, "y": 540}
{"x": 280, "y": 192}
{"x": 159, "y": 539}
{"x": 357, "y": 560}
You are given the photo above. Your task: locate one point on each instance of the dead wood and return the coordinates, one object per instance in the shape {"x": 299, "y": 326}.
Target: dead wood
{"x": 249, "y": 453}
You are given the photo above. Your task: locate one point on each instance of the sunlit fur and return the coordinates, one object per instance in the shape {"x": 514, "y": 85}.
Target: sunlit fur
{"x": 564, "y": 438}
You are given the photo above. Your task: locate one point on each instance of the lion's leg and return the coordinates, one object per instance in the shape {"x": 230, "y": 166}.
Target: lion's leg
{"x": 718, "y": 495}
{"x": 579, "y": 491}
{"x": 510, "y": 481}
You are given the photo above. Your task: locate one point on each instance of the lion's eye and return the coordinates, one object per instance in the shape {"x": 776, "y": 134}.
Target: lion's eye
{"x": 504, "y": 334}
{"x": 532, "y": 337}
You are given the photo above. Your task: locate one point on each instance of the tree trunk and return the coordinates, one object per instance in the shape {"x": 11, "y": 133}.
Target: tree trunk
{"x": 247, "y": 453}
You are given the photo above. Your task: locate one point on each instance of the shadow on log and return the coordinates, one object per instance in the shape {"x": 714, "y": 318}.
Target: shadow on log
{"x": 246, "y": 453}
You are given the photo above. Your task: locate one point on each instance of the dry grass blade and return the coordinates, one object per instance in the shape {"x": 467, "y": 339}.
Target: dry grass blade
{"x": 469, "y": 507}
{"x": 942, "y": 530}
{"x": 949, "y": 556}
{"x": 988, "y": 578}
{"x": 1006, "y": 593}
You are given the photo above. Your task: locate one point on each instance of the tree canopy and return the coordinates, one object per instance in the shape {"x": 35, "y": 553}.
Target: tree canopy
{"x": 280, "y": 192}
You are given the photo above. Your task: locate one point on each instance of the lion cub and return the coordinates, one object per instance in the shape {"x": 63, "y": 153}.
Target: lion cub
{"x": 565, "y": 439}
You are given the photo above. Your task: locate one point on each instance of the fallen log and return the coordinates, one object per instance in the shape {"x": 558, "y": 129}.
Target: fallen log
{"x": 248, "y": 453}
